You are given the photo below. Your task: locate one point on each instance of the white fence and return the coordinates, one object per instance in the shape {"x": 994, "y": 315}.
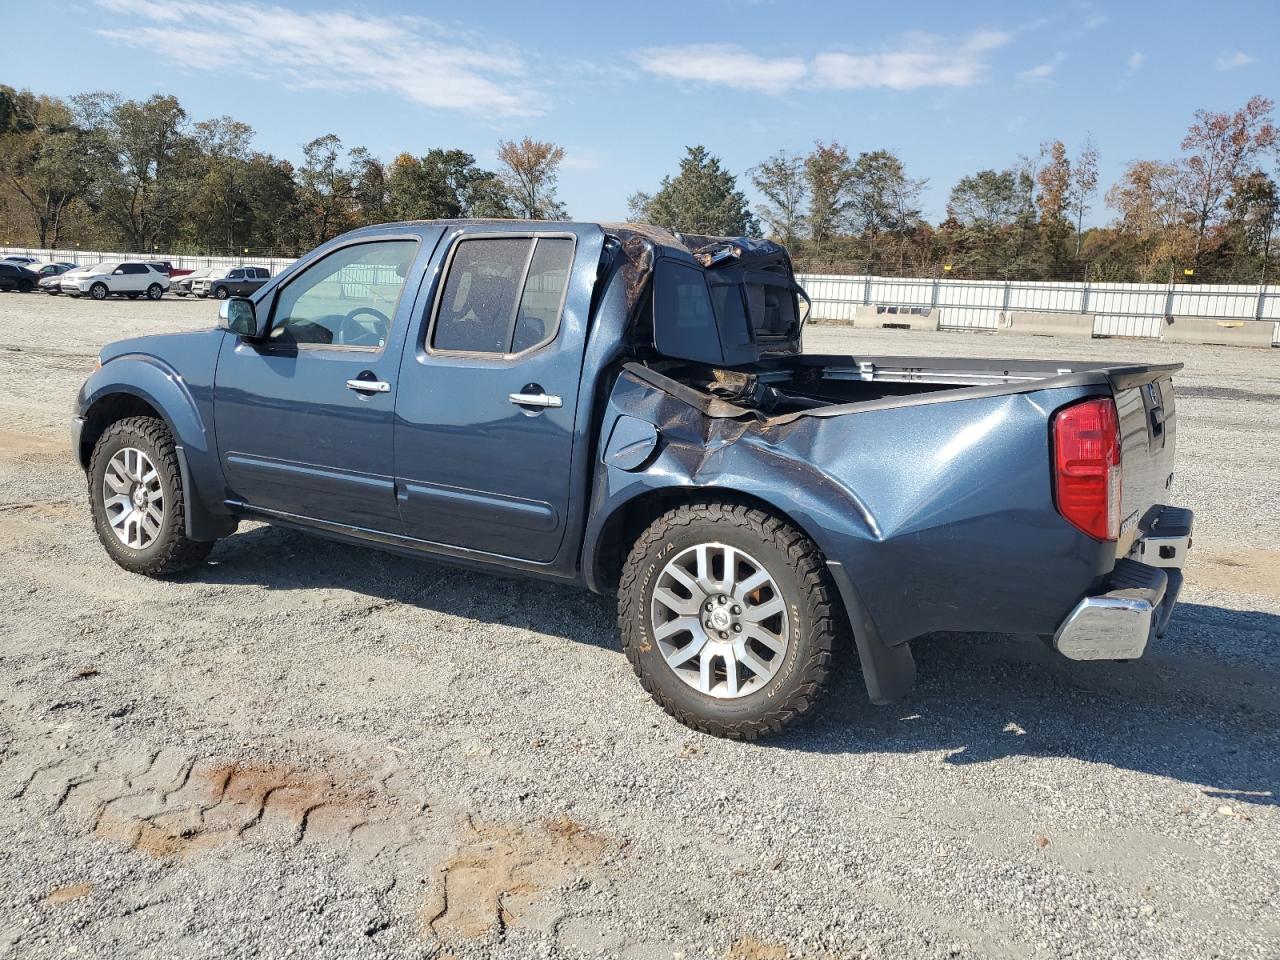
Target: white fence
{"x": 180, "y": 261}
{"x": 1119, "y": 309}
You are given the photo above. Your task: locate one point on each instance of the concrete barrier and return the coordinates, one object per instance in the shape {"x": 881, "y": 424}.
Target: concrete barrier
{"x": 868, "y": 317}
{"x": 1033, "y": 324}
{"x": 1231, "y": 333}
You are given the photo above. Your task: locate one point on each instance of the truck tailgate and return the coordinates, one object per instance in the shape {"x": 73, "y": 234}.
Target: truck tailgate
{"x": 1148, "y": 434}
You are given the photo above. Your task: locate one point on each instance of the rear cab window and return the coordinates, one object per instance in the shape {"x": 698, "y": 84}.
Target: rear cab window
{"x": 502, "y": 295}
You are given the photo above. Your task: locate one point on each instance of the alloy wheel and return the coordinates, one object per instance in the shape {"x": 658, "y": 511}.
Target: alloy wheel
{"x": 133, "y": 498}
{"x": 720, "y": 620}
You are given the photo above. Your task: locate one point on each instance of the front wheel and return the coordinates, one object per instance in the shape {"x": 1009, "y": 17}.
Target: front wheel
{"x": 137, "y": 500}
{"x": 99, "y": 291}
{"x": 729, "y": 619}
{"x": 155, "y": 292}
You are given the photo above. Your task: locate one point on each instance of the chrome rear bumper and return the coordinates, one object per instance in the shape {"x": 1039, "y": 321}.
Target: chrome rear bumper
{"x": 1144, "y": 587}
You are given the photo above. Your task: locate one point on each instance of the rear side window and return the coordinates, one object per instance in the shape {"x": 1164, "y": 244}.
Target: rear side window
{"x": 133, "y": 268}
{"x": 502, "y": 294}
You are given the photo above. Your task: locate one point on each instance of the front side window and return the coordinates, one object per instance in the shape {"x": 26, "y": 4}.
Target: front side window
{"x": 346, "y": 299}
{"x": 503, "y": 294}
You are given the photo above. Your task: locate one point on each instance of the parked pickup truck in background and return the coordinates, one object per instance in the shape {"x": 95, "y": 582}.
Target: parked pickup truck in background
{"x": 629, "y": 409}
{"x": 224, "y": 282}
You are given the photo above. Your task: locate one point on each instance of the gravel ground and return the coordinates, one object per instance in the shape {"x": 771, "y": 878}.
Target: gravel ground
{"x": 309, "y": 749}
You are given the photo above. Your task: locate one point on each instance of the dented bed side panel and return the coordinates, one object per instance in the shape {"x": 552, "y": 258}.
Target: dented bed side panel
{"x": 949, "y": 505}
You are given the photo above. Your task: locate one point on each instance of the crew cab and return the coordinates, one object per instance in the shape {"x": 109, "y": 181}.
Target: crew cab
{"x": 630, "y": 409}
{"x": 126, "y": 278}
{"x": 224, "y": 282}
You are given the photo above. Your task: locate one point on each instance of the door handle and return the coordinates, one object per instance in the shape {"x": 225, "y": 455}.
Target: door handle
{"x": 370, "y": 386}
{"x": 535, "y": 400}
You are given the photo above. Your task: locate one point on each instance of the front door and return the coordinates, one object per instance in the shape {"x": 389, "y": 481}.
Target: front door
{"x": 304, "y": 418}
{"x": 488, "y": 392}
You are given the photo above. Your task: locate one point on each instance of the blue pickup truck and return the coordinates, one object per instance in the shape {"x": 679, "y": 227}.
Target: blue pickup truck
{"x": 630, "y": 409}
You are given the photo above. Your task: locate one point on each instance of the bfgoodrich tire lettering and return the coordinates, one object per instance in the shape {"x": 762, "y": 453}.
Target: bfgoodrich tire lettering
{"x": 794, "y": 564}
{"x": 167, "y": 549}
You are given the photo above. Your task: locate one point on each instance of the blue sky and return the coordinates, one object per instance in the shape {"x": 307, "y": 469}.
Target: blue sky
{"x": 951, "y": 87}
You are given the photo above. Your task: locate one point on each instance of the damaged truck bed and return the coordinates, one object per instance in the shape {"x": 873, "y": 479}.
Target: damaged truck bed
{"x": 630, "y": 408}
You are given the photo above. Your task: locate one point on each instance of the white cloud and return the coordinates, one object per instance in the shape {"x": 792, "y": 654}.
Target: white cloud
{"x": 405, "y": 56}
{"x": 1042, "y": 71}
{"x": 1095, "y": 21}
{"x": 921, "y": 60}
{"x": 724, "y": 64}
{"x": 1136, "y": 60}
{"x": 1231, "y": 61}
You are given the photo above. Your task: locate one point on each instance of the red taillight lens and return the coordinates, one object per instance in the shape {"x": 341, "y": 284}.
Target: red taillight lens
{"x": 1086, "y": 460}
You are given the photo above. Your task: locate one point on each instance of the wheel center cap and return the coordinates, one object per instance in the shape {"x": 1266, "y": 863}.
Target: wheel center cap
{"x": 720, "y": 618}
{"x": 140, "y": 497}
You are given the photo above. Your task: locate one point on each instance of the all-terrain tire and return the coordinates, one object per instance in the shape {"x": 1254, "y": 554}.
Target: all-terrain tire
{"x": 170, "y": 551}
{"x": 805, "y": 585}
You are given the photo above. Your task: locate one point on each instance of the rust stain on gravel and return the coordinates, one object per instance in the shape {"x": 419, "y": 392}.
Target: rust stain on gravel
{"x": 502, "y": 871}
{"x": 222, "y": 802}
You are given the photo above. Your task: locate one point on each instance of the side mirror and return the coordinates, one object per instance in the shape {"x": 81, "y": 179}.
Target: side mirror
{"x": 238, "y": 315}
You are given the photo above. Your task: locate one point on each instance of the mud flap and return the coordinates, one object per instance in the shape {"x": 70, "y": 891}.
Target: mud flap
{"x": 889, "y": 672}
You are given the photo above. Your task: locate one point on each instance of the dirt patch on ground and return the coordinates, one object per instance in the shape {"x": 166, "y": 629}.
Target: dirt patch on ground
{"x": 749, "y": 948}
{"x": 499, "y": 876}
{"x": 27, "y": 446}
{"x": 1242, "y": 571}
{"x": 66, "y": 894}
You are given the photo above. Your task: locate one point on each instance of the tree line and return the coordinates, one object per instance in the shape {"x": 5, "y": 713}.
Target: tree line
{"x": 112, "y": 173}
{"x": 141, "y": 175}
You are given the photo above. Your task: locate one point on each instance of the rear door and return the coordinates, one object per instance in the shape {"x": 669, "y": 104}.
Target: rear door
{"x": 488, "y": 391}
{"x": 304, "y": 419}
{"x": 130, "y": 278}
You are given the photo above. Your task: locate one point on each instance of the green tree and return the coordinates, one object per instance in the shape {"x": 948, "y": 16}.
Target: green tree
{"x": 444, "y": 184}
{"x": 703, "y": 198}
{"x": 781, "y": 181}
{"x": 218, "y": 213}
{"x": 42, "y": 156}
{"x": 326, "y": 190}
{"x": 831, "y": 180}
{"x": 140, "y": 159}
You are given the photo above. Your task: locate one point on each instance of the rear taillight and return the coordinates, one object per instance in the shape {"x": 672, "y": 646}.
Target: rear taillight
{"x": 1086, "y": 461}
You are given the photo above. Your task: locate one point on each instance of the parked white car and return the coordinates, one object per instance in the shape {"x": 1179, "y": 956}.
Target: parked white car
{"x": 127, "y": 278}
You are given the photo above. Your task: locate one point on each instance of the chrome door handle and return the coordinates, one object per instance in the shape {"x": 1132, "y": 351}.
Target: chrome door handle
{"x": 369, "y": 386}
{"x": 535, "y": 400}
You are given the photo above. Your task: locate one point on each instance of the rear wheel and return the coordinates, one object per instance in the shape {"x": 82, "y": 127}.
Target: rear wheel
{"x": 728, "y": 618}
{"x": 221, "y": 293}
{"x": 99, "y": 291}
{"x": 155, "y": 292}
{"x": 25, "y": 286}
{"x": 137, "y": 500}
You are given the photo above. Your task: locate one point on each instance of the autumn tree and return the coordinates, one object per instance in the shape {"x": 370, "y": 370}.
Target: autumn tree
{"x": 1054, "y": 180}
{"x": 529, "y": 171}
{"x": 781, "y": 181}
{"x": 703, "y": 198}
{"x": 1082, "y": 187}
{"x": 1221, "y": 149}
